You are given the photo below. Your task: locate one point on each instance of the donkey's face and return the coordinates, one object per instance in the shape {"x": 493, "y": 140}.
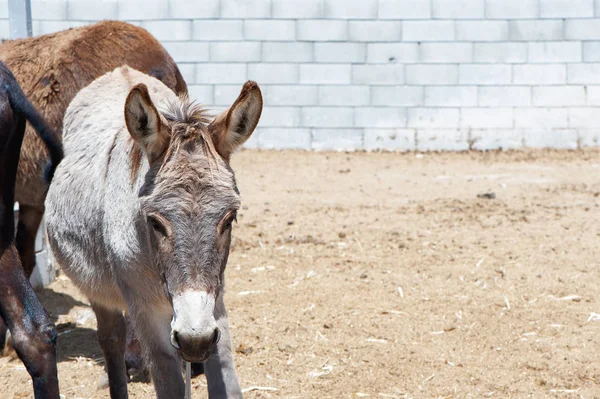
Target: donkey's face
{"x": 189, "y": 202}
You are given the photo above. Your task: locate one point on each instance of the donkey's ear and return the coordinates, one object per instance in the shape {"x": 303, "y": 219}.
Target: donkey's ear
{"x": 144, "y": 123}
{"x": 234, "y": 126}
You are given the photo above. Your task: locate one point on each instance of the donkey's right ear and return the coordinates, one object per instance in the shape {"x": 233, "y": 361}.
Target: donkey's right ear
{"x": 144, "y": 123}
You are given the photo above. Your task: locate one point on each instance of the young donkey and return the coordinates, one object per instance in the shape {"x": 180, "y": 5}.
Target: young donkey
{"x": 139, "y": 217}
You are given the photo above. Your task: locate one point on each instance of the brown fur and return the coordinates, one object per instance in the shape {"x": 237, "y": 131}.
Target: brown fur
{"x": 51, "y": 69}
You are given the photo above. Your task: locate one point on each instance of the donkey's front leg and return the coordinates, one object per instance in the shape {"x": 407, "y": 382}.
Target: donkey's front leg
{"x": 220, "y": 372}
{"x": 154, "y": 333}
{"x": 111, "y": 335}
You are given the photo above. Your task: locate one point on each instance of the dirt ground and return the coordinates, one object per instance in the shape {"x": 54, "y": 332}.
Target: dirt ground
{"x": 395, "y": 276}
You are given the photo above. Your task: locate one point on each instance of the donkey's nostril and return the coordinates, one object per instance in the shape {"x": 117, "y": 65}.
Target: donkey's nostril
{"x": 175, "y": 340}
{"x": 216, "y": 336}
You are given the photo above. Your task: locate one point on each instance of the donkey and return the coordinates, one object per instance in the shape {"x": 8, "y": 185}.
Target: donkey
{"x": 51, "y": 70}
{"x": 140, "y": 215}
{"x": 34, "y": 334}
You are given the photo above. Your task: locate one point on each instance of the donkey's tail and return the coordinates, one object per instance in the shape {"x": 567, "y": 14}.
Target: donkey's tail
{"x": 21, "y": 104}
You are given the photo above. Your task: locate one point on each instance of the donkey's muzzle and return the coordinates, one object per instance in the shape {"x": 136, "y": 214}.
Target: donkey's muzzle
{"x": 194, "y": 331}
{"x": 195, "y": 347}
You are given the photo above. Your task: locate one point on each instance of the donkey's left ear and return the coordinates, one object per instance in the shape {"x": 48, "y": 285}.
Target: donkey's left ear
{"x": 234, "y": 126}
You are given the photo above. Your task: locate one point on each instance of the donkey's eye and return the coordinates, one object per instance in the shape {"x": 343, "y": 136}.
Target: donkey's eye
{"x": 157, "y": 226}
{"x": 230, "y": 220}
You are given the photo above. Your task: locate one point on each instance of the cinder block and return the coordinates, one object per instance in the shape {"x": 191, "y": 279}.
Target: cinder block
{"x": 555, "y": 52}
{"x": 384, "y": 53}
{"x": 431, "y": 74}
{"x": 582, "y": 29}
{"x": 588, "y": 137}
{"x": 375, "y": 31}
{"x": 344, "y": 95}
{"x": 482, "y": 31}
{"x": 282, "y": 95}
{"x": 322, "y": 30}
{"x": 280, "y": 117}
{"x": 188, "y": 71}
{"x": 458, "y": 9}
{"x": 583, "y": 117}
{"x": 203, "y": 94}
{"x": 591, "y": 51}
{"x": 484, "y": 74}
{"x": 540, "y": 74}
{"x": 340, "y": 52}
{"x": 486, "y": 118}
{"x": 287, "y": 51}
{"x": 593, "y": 95}
{"x": 295, "y": 9}
{"x": 49, "y": 10}
{"x": 188, "y": 51}
{"x": 541, "y": 118}
{"x": 265, "y": 29}
{"x": 496, "y": 139}
{"x": 235, "y": 52}
{"x": 350, "y": 9}
{"x": 169, "y": 29}
{"x": 500, "y": 52}
{"x": 84, "y": 10}
{"x": 380, "y": 117}
{"x": 218, "y": 30}
{"x": 450, "y": 96}
{"x": 325, "y": 74}
{"x": 284, "y": 139}
{"x": 143, "y": 9}
{"x": 273, "y": 73}
{"x": 562, "y": 9}
{"x": 340, "y": 117}
{"x": 186, "y": 9}
{"x": 536, "y": 30}
{"x": 442, "y": 140}
{"x": 558, "y": 96}
{"x": 407, "y": 9}
{"x": 225, "y": 95}
{"x": 378, "y": 74}
{"x": 390, "y": 139}
{"x": 245, "y": 9}
{"x": 583, "y": 73}
{"x": 46, "y": 27}
{"x": 447, "y": 52}
{"x": 337, "y": 139}
{"x": 4, "y": 9}
{"x": 551, "y": 138}
{"x": 433, "y": 117}
{"x": 403, "y": 96}
{"x": 509, "y": 9}
{"x": 428, "y": 31}
{"x": 504, "y": 96}
{"x": 221, "y": 73}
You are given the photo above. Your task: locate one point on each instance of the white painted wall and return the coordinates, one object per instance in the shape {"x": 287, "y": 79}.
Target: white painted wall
{"x": 380, "y": 74}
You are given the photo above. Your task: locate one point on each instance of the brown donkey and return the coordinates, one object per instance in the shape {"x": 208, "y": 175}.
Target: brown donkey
{"x": 51, "y": 70}
{"x": 34, "y": 334}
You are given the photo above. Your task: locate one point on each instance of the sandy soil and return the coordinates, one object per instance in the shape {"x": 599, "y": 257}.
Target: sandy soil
{"x": 393, "y": 276}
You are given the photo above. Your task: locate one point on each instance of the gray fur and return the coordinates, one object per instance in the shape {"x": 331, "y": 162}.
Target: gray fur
{"x": 99, "y": 231}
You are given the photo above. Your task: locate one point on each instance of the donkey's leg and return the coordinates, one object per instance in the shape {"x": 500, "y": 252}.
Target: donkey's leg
{"x": 30, "y": 218}
{"x": 34, "y": 334}
{"x": 134, "y": 360}
{"x": 154, "y": 333}
{"x": 220, "y": 372}
{"x": 111, "y": 335}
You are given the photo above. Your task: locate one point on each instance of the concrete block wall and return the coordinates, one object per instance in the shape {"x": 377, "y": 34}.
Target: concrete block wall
{"x": 380, "y": 74}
